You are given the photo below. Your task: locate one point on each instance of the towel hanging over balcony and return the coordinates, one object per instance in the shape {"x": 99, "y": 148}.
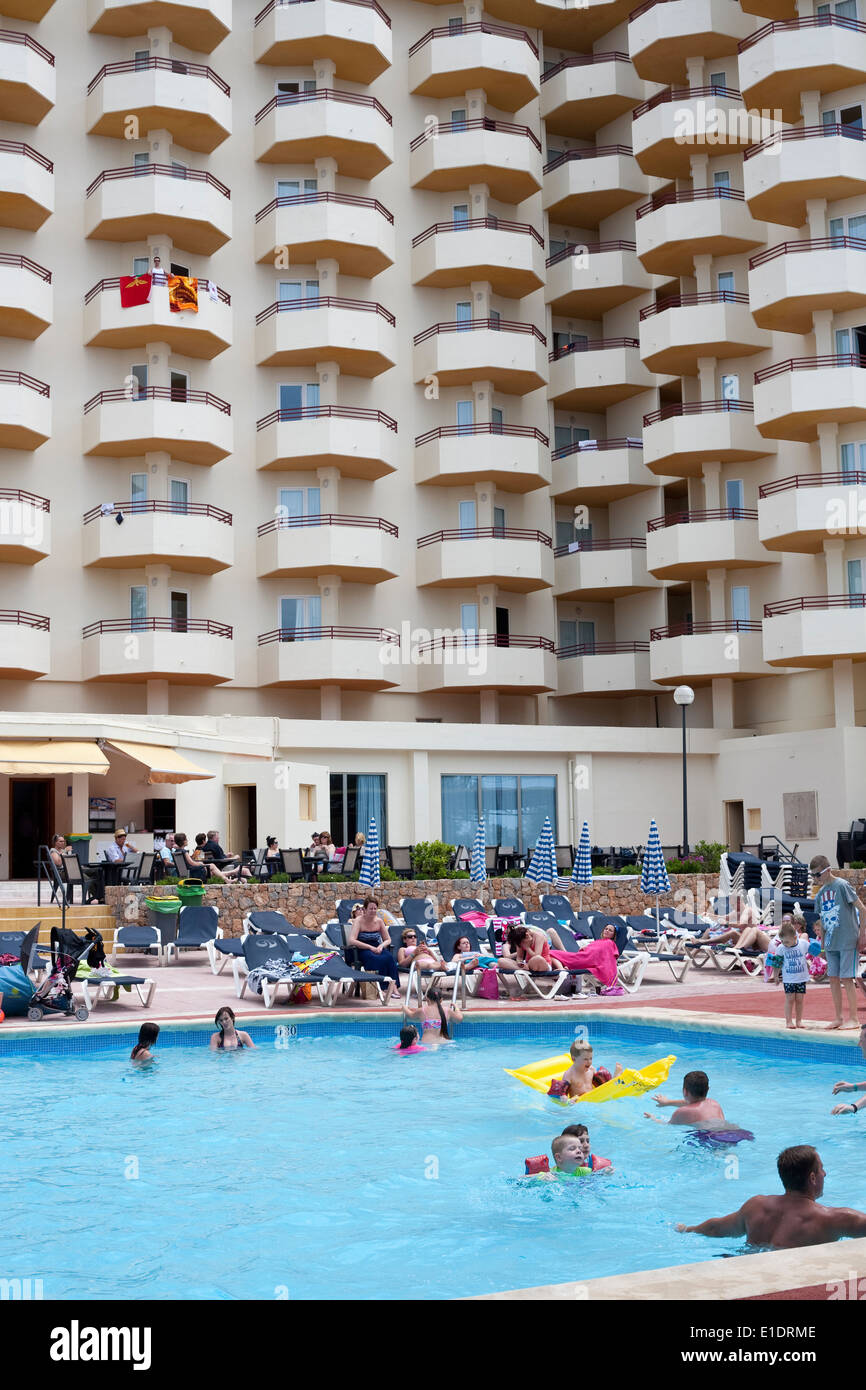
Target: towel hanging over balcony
{"x": 182, "y": 293}
{"x": 135, "y": 289}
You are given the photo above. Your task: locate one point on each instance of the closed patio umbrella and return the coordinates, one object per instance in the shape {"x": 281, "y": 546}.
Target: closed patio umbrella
{"x": 542, "y": 865}
{"x": 654, "y": 872}
{"x": 581, "y": 874}
{"x": 478, "y": 862}
{"x": 370, "y": 866}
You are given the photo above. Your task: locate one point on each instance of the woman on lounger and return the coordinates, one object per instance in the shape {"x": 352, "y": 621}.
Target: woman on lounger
{"x": 410, "y": 951}
{"x": 527, "y": 948}
{"x": 370, "y": 937}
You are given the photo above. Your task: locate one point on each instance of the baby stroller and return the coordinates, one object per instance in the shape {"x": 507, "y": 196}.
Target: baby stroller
{"x": 54, "y": 995}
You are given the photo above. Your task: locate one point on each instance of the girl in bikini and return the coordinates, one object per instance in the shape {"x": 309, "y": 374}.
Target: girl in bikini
{"x": 228, "y": 1039}
{"x": 434, "y": 1018}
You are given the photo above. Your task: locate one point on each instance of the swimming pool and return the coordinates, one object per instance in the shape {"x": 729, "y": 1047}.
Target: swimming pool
{"x": 323, "y": 1165}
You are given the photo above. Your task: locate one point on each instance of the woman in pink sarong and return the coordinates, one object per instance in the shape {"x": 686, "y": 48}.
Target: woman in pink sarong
{"x": 598, "y": 957}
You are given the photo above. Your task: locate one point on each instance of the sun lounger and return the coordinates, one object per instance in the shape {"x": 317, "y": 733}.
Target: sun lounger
{"x": 96, "y": 987}
{"x": 196, "y": 926}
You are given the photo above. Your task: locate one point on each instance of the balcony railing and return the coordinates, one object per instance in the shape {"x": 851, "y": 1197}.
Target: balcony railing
{"x": 484, "y": 533}
{"x": 811, "y": 364}
{"x": 290, "y": 523}
{"x": 592, "y": 345}
{"x": 170, "y": 171}
{"x": 686, "y": 195}
{"x": 788, "y": 26}
{"x": 322, "y": 94}
{"x": 32, "y": 499}
{"x": 681, "y": 408}
{"x": 159, "y": 278}
{"x": 19, "y": 618}
{"x": 339, "y": 412}
{"x": 325, "y": 301}
{"x": 684, "y": 94}
{"x": 600, "y": 152}
{"x": 14, "y": 36}
{"x": 484, "y": 27}
{"x": 208, "y": 625}
{"x": 616, "y": 543}
{"x": 602, "y": 649}
{"x": 815, "y": 601}
{"x": 487, "y": 639}
{"x": 805, "y": 132}
{"x": 492, "y": 224}
{"x": 683, "y": 301}
{"x": 481, "y": 123}
{"x": 22, "y": 379}
{"x": 176, "y": 65}
{"x": 580, "y": 60}
{"x": 691, "y": 629}
{"x": 455, "y": 432}
{"x": 159, "y": 393}
{"x": 821, "y": 243}
{"x": 590, "y": 446}
{"x": 296, "y": 199}
{"x": 278, "y": 4}
{"x": 18, "y": 147}
{"x": 475, "y": 325}
{"x": 796, "y": 480}
{"x": 660, "y": 523}
{"x": 172, "y": 508}
{"x": 318, "y": 634}
{"x": 596, "y": 249}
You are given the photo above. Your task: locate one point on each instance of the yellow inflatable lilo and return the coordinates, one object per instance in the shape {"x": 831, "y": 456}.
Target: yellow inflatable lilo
{"x": 539, "y": 1075}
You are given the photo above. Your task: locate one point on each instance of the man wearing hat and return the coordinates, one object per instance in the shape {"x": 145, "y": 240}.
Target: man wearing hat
{"x": 117, "y": 852}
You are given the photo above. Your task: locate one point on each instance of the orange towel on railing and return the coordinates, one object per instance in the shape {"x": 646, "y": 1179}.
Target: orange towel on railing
{"x": 182, "y": 293}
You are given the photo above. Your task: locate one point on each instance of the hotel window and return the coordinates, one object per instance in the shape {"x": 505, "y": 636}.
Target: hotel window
{"x": 356, "y": 798}
{"x": 855, "y": 577}
{"x": 299, "y": 502}
{"x": 725, "y": 282}
{"x": 306, "y": 801}
{"x": 721, "y": 179}
{"x": 138, "y": 487}
{"x": 514, "y": 808}
{"x": 740, "y": 607}
{"x": 298, "y": 397}
{"x": 852, "y": 458}
{"x": 301, "y": 618}
{"x": 568, "y": 436}
{"x": 734, "y": 496}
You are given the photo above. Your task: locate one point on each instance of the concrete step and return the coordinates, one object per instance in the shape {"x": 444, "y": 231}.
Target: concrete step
{"x": 53, "y": 913}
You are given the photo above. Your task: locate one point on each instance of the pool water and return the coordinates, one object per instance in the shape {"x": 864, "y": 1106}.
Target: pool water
{"x": 331, "y": 1167}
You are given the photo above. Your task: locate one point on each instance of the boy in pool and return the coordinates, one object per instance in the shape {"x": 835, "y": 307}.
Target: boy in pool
{"x": 580, "y": 1077}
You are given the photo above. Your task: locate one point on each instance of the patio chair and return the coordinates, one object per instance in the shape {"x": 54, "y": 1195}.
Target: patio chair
{"x": 143, "y": 870}
{"x": 195, "y": 927}
{"x": 491, "y": 859}
{"x": 400, "y": 860}
{"x": 267, "y": 920}
{"x": 420, "y": 913}
{"x": 11, "y": 943}
{"x": 350, "y": 860}
{"x": 508, "y": 907}
{"x": 96, "y": 987}
{"x": 461, "y": 905}
{"x": 257, "y": 863}
{"x": 460, "y": 858}
{"x": 558, "y": 906}
{"x": 344, "y": 908}
{"x": 139, "y": 939}
{"x": 564, "y": 858}
{"x": 291, "y": 860}
{"x": 87, "y": 879}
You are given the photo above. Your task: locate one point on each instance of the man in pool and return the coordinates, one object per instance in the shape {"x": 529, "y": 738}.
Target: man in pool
{"x": 793, "y": 1220}
{"x": 700, "y": 1113}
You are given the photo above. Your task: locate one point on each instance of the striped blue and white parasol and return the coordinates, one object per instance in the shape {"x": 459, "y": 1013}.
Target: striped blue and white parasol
{"x": 478, "y": 862}
{"x": 542, "y": 865}
{"x": 581, "y": 874}
{"x": 654, "y": 873}
{"x": 370, "y": 863}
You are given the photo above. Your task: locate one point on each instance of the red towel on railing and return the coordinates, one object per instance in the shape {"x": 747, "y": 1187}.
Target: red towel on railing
{"x": 134, "y": 289}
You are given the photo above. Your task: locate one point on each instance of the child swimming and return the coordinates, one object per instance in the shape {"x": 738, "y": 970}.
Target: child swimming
{"x": 571, "y": 1157}
{"x": 147, "y": 1036}
{"x": 580, "y": 1077}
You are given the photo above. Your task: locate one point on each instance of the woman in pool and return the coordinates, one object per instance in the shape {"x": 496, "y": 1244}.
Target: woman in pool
{"x": 370, "y": 937}
{"x": 229, "y": 1038}
{"x": 434, "y": 1017}
{"x": 147, "y": 1036}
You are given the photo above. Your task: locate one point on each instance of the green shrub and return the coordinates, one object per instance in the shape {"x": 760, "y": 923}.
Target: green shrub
{"x": 630, "y": 869}
{"x": 512, "y": 873}
{"x": 453, "y": 873}
{"x": 279, "y": 878}
{"x": 685, "y": 866}
{"x": 430, "y": 859}
{"x": 708, "y": 853}
{"x": 333, "y": 878}
{"x": 165, "y": 882}
{"x": 857, "y": 864}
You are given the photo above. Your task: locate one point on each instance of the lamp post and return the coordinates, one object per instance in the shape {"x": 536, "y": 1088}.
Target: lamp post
{"x": 685, "y": 696}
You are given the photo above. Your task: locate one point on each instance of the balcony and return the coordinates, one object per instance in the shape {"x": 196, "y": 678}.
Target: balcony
{"x": 582, "y": 187}
{"x": 684, "y": 545}
{"x": 25, "y": 528}
{"x": 26, "y": 297}
{"x": 672, "y": 228}
{"x": 204, "y": 335}
{"x": 674, "y": 125}
{"x": 602, "y": 570}
{"x": 361, "y": 549}
{"x": 587, "y": 281}
{"x": 355, "y": 35}
{"x": 514, "y": 558}
{"x": 783, "y": 172}
{"x": 132, "y": 204}
{"x": 301, "y": 127}
{"x": 189, "y": 651}
{"x": 25, "y": 645}
{"x": 676, "y": 332}
{"x": 25, "y": 411}
{"x": 503, "y": 62}
{"x": 801, "y": 512}
{"x": 515, "y": 458}
{"x": 26, "y": 186}
{"x": 792, "y": 398}
{"x": 34, "y": 10}
{"x": 599, "y": 471}
{"x": 195, "y": 426}
{"x": 357, "y": 658}
{"x": 510, "y": 255}
{"x": 770, "y": 9}
{"x": 454, "y": 154}
{"x": 510, "y": 355}
{"x": 358, "y": 335}
{"x": 587, "y": 91}
{"x": 819, "y": 53}
{"x": 196, "y": 24}
{"x": 787, "y": 283}
{"x": 701, "y": 652}
{"x": 662, "y": 34}
{"x": 597, "y": 17}
{"x": 604, "y": 668}
{"x": 512, "y": 664}
{"x": 815, "y": 631}
{"x": 189, "y": 99}
{"x": 679, "y": 438}
{"x": 28, "y": 86}
{"x": 356, "y": 232}
{"x": 359, "y": 441}
{"x": 597, "y": 374}
{"x": 194, "y": 539}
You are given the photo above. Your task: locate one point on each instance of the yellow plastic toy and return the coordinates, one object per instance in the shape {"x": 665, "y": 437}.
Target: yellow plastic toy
{"x": 539, "y": 1075}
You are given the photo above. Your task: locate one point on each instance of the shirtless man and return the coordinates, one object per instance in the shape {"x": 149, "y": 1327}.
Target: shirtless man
{"x": 794, "y": 1219}
{"x": 695, "y": 1108}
